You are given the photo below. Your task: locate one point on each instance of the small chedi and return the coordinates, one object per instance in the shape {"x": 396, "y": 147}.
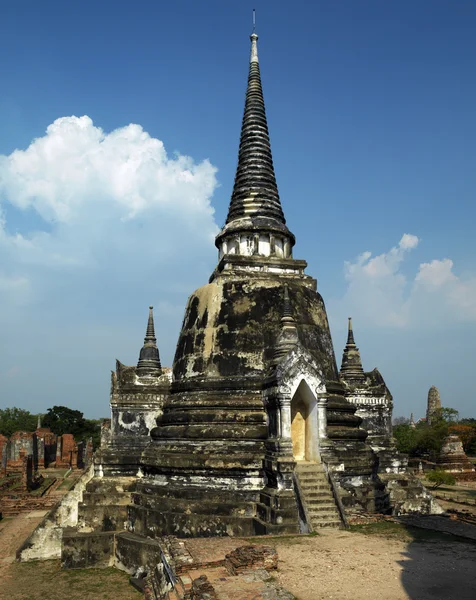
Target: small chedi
{"x": 253, "y": 430}
{"x": 368, "y": 392}
{"x": 137, "y": 398}
{"x": 453, "y": 457}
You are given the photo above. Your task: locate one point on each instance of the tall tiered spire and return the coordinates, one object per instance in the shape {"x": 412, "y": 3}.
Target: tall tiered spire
{"x": 255, "y": 206}
{"x": 255, "y": 191}
{"x": 149, "y": 359}
{"x": 351, "y": 369}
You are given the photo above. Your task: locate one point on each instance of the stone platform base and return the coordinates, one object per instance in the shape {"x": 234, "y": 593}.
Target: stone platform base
{"x": 409, "y": 496}
{"x": 173, "y": 569}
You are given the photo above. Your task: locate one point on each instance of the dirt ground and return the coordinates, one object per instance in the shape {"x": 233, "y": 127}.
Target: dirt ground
{"x": 385, "y": 561}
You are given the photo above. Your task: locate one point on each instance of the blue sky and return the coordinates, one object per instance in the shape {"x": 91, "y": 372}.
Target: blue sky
{"x": 119, "y": 134}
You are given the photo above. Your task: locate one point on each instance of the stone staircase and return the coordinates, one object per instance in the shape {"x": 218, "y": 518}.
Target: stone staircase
{"x": 316, "y": 496}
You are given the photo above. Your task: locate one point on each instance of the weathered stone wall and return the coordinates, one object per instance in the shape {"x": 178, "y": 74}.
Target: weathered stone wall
{"x": 376, "y": 414}
{"x": 45, "y": 448}
{"x": 45, "y": 541}
{"x": 67, "y": 452}
{"x": 409, "y": 496}
{"x": 231, "y": 326}
{"x": 21, "y": 442}
{"x": 46, "y": 442}
{"x": 136, "y": 404}
{"x": 84, "y": 550}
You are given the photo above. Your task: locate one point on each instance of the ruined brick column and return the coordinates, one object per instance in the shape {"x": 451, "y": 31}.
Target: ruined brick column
{"x": 3, "y": 453}
{"x": 26, "y": 461}
{"x": 59, "y": 450}
{"x": 74, "y": 457}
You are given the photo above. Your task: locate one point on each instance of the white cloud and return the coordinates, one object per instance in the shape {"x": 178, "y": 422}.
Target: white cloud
{"x": 380, "y": 294}
{"x": 111, "y": 203}
{"x": 76, "y": 166}
{"x": 408, "y": 241}
{"x": 94, "y": 227}
{"x": 437, "y": 282}
{"x": 436, "y": 273}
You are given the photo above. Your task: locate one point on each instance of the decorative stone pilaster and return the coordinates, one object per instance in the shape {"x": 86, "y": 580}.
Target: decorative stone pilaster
{"x": 284, "y": 404}
{"x": 322, "y": 415}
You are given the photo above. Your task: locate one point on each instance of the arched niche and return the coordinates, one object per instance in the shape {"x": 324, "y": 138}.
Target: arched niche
{"x": 304, "y": 424}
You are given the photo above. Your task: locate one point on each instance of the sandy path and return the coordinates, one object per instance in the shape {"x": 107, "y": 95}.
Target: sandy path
{"x": 14, "y": 531}
{"x": 340, "y": 565}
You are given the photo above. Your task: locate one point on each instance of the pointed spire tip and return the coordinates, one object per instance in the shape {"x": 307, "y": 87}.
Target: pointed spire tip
{"x": 254, "y": 39}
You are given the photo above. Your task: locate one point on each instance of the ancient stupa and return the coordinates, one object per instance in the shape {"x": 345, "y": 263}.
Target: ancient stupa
{"x": 452, "y": 456}
{"x": 256, "y": 389}
{"x": 433, "y": 405}
{"x": 368, "y": 392}
{"x": 254, "y": 430}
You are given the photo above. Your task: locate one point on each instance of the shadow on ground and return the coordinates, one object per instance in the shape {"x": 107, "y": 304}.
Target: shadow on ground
{"x": 436, "y": 565}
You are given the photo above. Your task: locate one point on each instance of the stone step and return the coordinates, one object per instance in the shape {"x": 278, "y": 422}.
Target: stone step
{"x": 322, "y": 515}
{"x": 307, "y": 472}
{"x": 328, "y": 523}
{"x": 313, "y": 506}
{"x": 310, "y": 472}
{"x": 321, "y": 510}
{"x": 314, "y": 487}
{"x": 321, "y": 495}
{"x": 313, "y": 479}
{"x": 314, "y": 466}
{"x": 322, "y": 524}
{"x": 317, "y": 496}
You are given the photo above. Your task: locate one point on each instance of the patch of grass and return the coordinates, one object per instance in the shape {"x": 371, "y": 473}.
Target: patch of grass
{"x": 67, "y": 484}
{"x": 45, "y": 484}
{"x": 28, "y": 582}
{"x": 385, "y": 528}
{"x": 390, "y": 529}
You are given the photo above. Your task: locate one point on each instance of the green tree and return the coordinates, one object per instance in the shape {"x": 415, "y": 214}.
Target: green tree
{"x": 61, "y": 419}
{"x": 405, "y": 437}
{"x": 400, "y": 421}
{"x": 421, "y": 440}
{"x": 446, "y": 415}
{"x": 16, "y": 419}
{"x": 429, "y": 440}
{"x": 439, "y": 477}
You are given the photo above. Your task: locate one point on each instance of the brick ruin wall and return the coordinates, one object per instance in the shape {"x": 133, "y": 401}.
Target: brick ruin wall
{"x": 45, "y": 449}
